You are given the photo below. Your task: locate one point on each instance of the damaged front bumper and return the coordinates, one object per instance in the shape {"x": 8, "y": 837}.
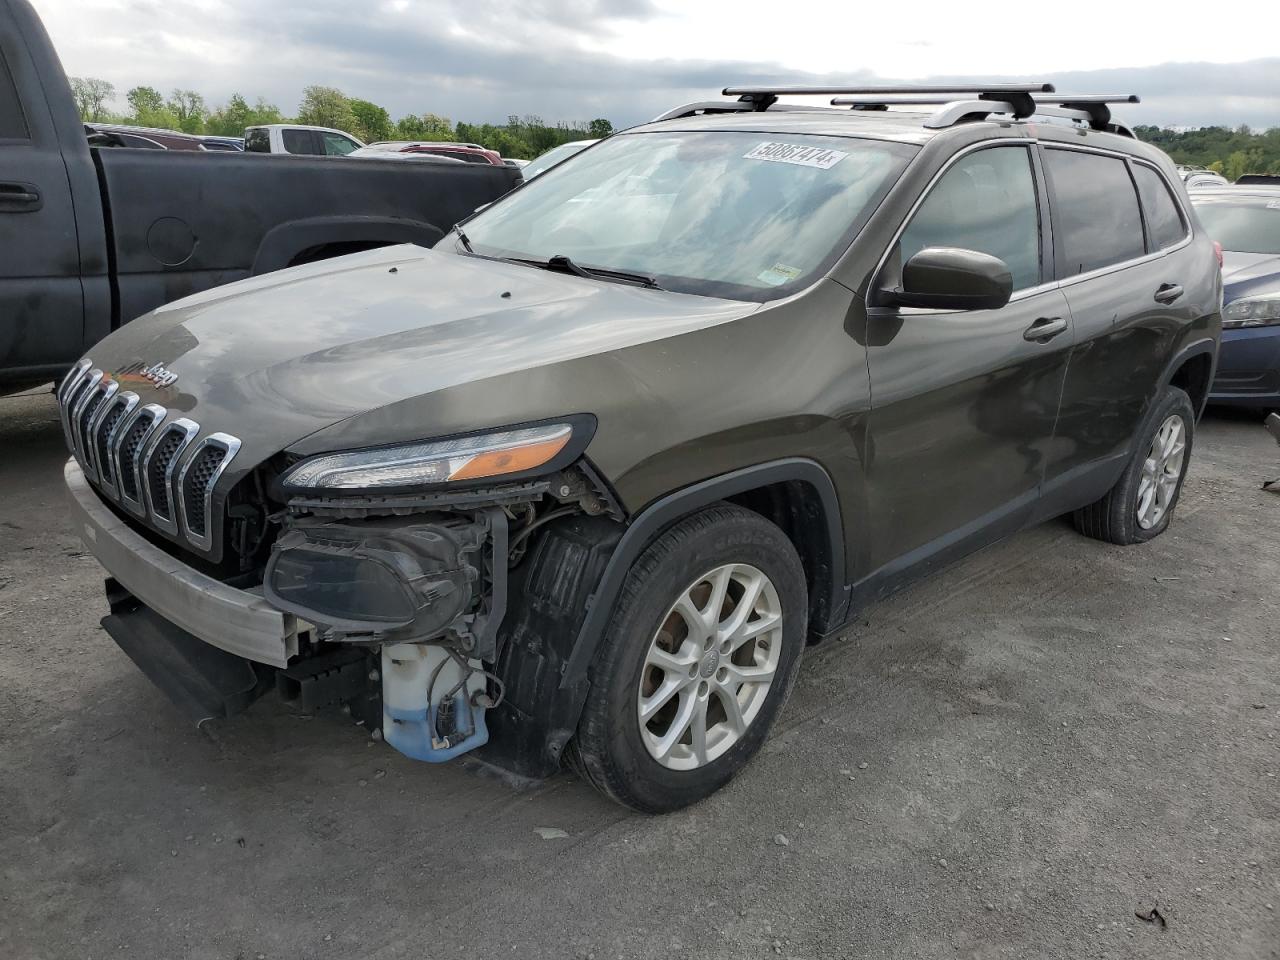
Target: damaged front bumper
{"x": 213, "y": 648}
{"x": 240, "y": 622}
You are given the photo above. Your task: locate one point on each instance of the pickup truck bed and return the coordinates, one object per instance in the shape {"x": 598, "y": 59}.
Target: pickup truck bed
{"x": 94, "y": 237}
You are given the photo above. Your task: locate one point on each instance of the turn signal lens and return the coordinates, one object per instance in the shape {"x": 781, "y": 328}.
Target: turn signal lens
{"x": 515, "y": 460}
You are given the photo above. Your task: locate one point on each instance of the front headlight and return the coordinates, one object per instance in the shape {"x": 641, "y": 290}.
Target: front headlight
{"x": 1253, "y": 312}
{"x": 408, "y": 465}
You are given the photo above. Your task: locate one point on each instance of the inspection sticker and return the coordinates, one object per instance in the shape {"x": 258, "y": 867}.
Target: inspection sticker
{"x": 819, "y": 157}
{"x": 778, "y": 274}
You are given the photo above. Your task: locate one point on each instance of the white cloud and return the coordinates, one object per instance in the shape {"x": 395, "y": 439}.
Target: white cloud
{"x": 629, "y": 59}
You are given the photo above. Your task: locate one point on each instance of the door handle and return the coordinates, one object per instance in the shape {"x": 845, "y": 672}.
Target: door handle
{"x": 1045, "y": 329}
{"x": 19, "y": 196}
{"x": 1168, "y": 292}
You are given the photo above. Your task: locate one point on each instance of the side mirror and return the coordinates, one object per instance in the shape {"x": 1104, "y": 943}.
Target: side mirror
{"x": 949, "y": 278}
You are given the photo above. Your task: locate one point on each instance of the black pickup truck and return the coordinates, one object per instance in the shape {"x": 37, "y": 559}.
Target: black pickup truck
{"x": 92, "y": 237}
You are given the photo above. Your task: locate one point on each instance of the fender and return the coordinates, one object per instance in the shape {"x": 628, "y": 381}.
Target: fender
{"x": 662, "y": 513}
{"x": 285, "y": 241}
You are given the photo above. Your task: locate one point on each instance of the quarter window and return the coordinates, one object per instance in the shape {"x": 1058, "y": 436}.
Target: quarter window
{"x": 1096, "y": 220}
{"x": 1164, "y": 222}
{"x": 986, "y": 202}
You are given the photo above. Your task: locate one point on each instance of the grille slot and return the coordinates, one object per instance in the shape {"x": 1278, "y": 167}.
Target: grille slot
{"x": 102, "y": 450}
{"x": 82, "y": 423}
{"x": 196, "y": 482}
{"x": 129, "y": 447}
{"x": 141, "y": 459}
{"x": 203, "y": 468}
{"x": 157, "y": 472}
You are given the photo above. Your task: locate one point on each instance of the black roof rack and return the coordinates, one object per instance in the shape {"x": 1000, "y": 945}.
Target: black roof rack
{"x": 1020, "y": 94}
{"x": 1019, "y": 100}
{"x": 1090, "y": 108}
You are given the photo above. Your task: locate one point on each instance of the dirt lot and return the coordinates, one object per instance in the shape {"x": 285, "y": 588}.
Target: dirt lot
{"x": 1008, "y": 761}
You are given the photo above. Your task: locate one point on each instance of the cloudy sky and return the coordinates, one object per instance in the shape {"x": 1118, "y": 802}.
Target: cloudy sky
{"x": 480, "y": 60}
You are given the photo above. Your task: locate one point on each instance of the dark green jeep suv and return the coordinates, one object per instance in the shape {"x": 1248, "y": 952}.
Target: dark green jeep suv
{"x": 582, "y": 482}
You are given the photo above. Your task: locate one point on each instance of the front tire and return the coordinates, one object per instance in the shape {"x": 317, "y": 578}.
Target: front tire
{"x": 1139, "y": 506}
{"x": 698, "y": 660}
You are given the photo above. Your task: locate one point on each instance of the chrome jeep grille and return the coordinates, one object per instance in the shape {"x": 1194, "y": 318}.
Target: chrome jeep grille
{"x": 156, "y": 468}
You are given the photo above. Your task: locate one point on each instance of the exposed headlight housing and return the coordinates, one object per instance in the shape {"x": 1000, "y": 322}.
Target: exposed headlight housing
{"x": 504, "y": 453}
{"x": 1253, "y": 312}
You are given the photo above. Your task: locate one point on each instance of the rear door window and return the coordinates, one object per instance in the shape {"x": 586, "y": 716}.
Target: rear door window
{"x": 298, "y": 141}
{"x": 986, "y": 202}
{"x": 13, "y": 123}
{"x": 1096, "y": 222}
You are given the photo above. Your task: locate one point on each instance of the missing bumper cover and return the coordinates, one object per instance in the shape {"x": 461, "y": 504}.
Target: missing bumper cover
{"x": 385, "y": 580}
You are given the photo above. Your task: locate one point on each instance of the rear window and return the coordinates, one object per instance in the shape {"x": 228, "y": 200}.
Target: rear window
{"x": 1164, "y": 221}
{"x": 257, "y": 140}
{"x": 1243, "y": 226}
{"x": 13, "y": 123}
{"x": 1096, "y": 220}
{"x": 297, "y": 141}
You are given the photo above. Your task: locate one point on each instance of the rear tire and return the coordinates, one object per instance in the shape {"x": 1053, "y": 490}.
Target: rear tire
{"x": 688, "y": 681}
{"x": 1138, "y": 508}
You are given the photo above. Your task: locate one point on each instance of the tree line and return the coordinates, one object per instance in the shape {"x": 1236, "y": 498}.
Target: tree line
{"x": 1231, "y": 152}
{"x": 321, "y": 106}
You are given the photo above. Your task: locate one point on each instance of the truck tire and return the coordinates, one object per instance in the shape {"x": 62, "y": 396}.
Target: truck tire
{"x": 688, "y": 680}
{"x": 1138, "y": 507}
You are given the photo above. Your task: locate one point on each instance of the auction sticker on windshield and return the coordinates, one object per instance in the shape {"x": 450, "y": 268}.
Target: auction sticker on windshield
{"x": 819, "y": 157}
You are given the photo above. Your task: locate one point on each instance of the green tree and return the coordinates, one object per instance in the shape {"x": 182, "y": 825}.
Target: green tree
{"x": 91, "y": 95}
{"x": 326, "y": 107}
{"x": 599, "y": 129}
{"x": 145, "y": 100}
{"x": 147, "y": 108}
{"x": 428, "y": 126}
{"x": 189, "y": 109}
{"x": 230, "y": 121}
{"x": 372, "y": 122}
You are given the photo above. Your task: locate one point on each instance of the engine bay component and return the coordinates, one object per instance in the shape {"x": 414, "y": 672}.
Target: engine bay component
{"x": 384, "y": 580}
{"x": 433, "y": 701}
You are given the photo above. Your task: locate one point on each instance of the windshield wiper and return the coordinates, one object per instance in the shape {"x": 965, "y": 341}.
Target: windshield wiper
{"x": 562, "y": 264}
{"x": 462, "y": 238}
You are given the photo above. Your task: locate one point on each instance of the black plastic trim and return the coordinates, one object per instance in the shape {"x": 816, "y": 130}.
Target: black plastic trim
{"x": 662, "y": 513}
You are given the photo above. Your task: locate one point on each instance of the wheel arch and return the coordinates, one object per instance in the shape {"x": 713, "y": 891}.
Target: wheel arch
{"x": 1191, "y": 370}
{"x": 795, "y": 493}
{"x": 297, "y": 241}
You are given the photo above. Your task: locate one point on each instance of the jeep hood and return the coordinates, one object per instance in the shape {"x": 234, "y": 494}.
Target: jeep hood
{"x": 275, "y": 358}
{"x": 1249, "y": 273}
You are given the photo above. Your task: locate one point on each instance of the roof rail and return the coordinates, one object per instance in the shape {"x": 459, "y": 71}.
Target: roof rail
{"x": 1020, "y": 94}
{"x": 1092, "y": 109}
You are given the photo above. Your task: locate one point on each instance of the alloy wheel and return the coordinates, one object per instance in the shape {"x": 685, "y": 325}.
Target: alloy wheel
{"x": 709, "y": 667}
{"x": 1161, "y": 472}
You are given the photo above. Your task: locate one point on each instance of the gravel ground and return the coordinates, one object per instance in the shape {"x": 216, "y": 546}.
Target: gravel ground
{"x": 1006, "y": 761}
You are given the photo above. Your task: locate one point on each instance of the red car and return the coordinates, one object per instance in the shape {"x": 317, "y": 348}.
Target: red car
{"x": 466, "y": 152}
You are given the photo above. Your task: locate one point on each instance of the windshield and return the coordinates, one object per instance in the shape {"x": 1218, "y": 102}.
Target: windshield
{"x": 1241, "y": 226}
{"x": 741, "y": 215}
{"x": 553, "y": 156}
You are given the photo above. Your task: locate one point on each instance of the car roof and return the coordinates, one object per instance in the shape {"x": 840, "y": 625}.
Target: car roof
{"x": 902, "y": 126}
{"x": 298, "y": 126}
